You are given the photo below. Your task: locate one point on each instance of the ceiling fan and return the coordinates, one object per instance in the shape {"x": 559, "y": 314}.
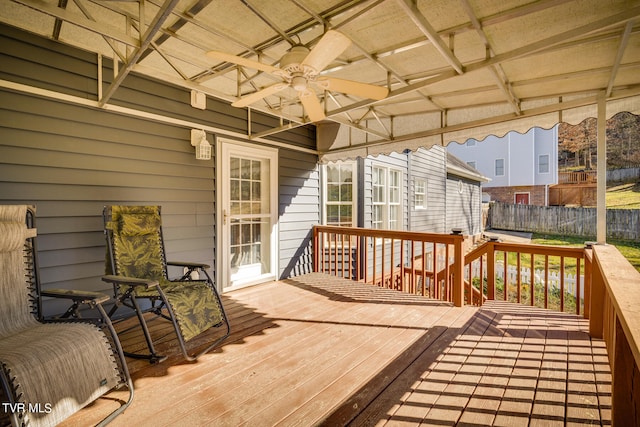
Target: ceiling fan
{"x": 300, "y": 69}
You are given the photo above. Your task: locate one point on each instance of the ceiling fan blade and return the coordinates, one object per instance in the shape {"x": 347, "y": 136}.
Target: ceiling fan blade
{"x": 245, "y": 62}
{"x": 256, "y": 96}
{"x": 330, "y": 46}
{"x": 363, "y": 90}
{"x": 312, "y": 105}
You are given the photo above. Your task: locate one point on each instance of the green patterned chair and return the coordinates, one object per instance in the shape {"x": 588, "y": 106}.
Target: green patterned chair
{"x": 49, "y": 370}
{"x": 137, "y": 267}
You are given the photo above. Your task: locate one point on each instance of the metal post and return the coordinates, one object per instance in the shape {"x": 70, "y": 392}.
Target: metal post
{"x": 601, "y": 211}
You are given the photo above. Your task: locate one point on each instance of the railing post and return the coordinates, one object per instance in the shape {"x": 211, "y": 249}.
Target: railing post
{"x": 458, "y": 272}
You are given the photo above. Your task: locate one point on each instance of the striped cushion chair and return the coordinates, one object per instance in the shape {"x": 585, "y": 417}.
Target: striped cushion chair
{"x": 49, "y": 370}
{"x": 138, "y": 269}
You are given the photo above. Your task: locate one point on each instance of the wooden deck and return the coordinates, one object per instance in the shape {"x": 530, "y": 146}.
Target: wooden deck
{"x": 320, "y": 350}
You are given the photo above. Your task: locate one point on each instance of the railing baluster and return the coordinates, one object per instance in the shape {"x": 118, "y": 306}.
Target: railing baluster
{"x": 505, "y": 280}
{"x": 546, "y": 281}
{"x": 518, "y": 278}
{"x": 561, "y": 283}
{"x": 342, "y": 251}
{"x": 578, "y": 286}
{"x": 375, "y": 258}
{"x": 532, "y": 279}
{"x": 358, "y": 255}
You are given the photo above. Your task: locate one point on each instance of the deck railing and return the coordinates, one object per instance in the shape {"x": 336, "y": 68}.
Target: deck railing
{"x": 423, "y": 263}
{"x": 596, "y": 282}
{"x": 538, "y": 275}
{"x": 584, "y": 177}
{"x": 615, "y": 316}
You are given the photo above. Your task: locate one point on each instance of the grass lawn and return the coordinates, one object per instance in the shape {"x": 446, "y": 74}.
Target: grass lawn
{"x": 630, "y": 250}
{"x": 624, "y": 196}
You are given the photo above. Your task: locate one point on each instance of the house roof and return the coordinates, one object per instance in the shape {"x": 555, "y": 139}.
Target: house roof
{"x": 458, "y": 167}
{"x": 453, "y": 69}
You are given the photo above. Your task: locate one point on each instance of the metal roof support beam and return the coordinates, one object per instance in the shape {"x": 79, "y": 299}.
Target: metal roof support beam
{"x": 616, "y": 64}
{"x": 109, "y": 41}
{"x": 496, "y": 70}
{"x": 421, "y": 22}
{"x": 158, "y": 20}
{"x": 80, "y": 21}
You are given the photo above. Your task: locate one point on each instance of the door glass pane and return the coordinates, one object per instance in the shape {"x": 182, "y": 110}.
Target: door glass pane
{"x": 234, "y": 167}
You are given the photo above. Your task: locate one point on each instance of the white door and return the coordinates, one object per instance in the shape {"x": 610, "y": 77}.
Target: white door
{"x": 248, "y": 190}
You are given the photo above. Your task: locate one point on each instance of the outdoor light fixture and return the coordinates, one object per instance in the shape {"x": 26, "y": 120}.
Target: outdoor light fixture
{"x": 199, "y": 140}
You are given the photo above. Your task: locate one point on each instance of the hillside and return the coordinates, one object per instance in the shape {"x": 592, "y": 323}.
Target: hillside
{"x": 624, "y": 196}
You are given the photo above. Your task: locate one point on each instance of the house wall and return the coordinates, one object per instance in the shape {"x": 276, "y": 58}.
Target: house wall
{"x": 537, "y": 194}
{"x": 71, "y": 159}
{"x": 431, "y": 166}
{"x": 464, "y": 207}
{"x": 521, "y": 153}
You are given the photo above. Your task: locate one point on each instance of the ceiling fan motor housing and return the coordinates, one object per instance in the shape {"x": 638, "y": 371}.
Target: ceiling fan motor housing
{"x": 291, "y": 62}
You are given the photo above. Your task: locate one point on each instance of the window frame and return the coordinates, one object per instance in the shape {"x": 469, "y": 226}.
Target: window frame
{"x": 548, "y": 163}
{"x": 354, "y": 191}
{"x": 422, "y": 193}
{"x": 495, "y": 167}
{"x": 388, "y": 203}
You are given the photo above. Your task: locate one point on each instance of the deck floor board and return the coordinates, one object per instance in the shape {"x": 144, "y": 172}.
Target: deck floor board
{"x": 317, "y": 350}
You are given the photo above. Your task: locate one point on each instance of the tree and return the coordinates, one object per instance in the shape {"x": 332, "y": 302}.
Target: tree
{"x": 579, "y": 140}
{"x": 577, "y": 144}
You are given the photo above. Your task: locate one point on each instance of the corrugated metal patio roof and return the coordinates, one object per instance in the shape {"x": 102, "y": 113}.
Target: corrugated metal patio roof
{"x": 453, "y": 69}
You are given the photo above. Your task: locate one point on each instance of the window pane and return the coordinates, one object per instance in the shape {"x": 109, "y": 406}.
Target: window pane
{"x": 377, "y": 216}
{"x": 394, "y": 178}
{"x": 333, "y": 173}
{"x": 255, "y": 191}
{"x": 333, "y": 214}
{"x": 394, "y": 195}
{"x": 245, "y": 169}
{"x": 333, "y": 192}
{"x": 255, "y": 170}
{"x": 245, "y": 190}
{"x": 346, "y": 173}
{"x": 345, "y": 215}
{"x": 543, "y": 164}
{"x": 234, "y": 189}
{"x": 345, "y": 193}
{"x": 235, "y": 167}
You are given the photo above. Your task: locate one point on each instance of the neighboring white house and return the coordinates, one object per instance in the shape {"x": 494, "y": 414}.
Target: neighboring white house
{"x": 521, "y": 166}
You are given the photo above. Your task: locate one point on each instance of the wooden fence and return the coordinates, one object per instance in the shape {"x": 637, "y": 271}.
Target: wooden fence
{"x": 621, "y": 223}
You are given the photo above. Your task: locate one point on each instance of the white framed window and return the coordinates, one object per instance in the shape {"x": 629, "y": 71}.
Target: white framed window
{"x": 472, "y": 164}
{"x": 419, "y": 194}
{"x": 386, "y": 198}
{"x": 499, "y": 167}
{"x": 340, "y": 192}
{"x": 543, "y": 163}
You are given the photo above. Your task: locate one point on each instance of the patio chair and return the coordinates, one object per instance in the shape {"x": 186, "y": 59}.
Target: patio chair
{"x": 49, "y": 369}
{"x": 138, "y": 270}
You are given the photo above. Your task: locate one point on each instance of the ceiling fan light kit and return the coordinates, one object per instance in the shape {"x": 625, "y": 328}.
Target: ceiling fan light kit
{"x": 299, "y": 69}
